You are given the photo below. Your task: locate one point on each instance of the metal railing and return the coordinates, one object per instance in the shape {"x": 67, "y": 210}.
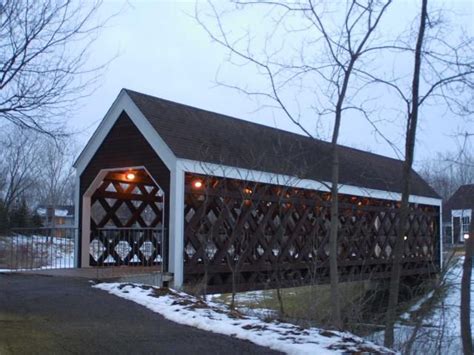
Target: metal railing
{"x": 37, "y": 249}
{"x": 128, "y": 246}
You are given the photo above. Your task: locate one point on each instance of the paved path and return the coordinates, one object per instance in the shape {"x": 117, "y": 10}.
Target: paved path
{"x": 60, "y": 315}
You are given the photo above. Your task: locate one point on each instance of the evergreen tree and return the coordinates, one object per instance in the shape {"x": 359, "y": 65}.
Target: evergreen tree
{"x": 36, "y": 221}
{"x": 20, "y": 215}
{"x": 3, "y": 217}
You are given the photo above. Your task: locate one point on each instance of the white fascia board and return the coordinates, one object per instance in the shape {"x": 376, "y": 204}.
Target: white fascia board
{"x": 123, "y": 102}
{"x": 100, "y": 133}
{"x": 461, "y": 213}
{"x": 219, "y": 170}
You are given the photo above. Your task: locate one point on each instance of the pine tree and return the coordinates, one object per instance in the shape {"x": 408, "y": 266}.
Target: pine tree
{"x": 20, "y": 215}
{"x": 36, "y": 221}
{"x": 3, "y": 217}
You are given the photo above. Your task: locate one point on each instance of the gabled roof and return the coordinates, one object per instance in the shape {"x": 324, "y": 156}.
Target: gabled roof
{"x": 462, "y": 199}
{"x": 199, "y": 135}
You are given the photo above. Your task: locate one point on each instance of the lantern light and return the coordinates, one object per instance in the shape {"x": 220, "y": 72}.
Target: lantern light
{"x": 130, "y": 176}
{"x": 466, "y": 236}
{"x": 197, "y": 184}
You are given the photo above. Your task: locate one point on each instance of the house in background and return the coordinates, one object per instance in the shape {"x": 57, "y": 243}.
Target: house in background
{"x": 60, "y": 217}
{"x": 224, "y": 202}
{"x": 457, "y": 214}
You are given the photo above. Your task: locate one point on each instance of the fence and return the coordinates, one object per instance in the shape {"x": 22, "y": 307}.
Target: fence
{"x": 37, "y": 248}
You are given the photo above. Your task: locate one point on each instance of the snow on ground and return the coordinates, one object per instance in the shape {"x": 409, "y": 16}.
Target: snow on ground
{"x": 35, "y": 252}
{"x": 215, "y": 317}
{"x": 440, "y": 331}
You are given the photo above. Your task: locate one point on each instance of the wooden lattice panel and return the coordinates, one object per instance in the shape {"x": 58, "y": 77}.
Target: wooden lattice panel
{"x": 266, "y": 235}
{"x": 126, "y": 220}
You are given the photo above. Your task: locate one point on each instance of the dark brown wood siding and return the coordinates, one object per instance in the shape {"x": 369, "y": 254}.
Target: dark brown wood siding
{"x": 243, "y": 235}
{"x": 125, "y": 146}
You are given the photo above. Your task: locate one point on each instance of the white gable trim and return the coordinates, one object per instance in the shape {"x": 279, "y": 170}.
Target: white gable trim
{"x": 198, "y": 167}
{"x": 123, "y": 102}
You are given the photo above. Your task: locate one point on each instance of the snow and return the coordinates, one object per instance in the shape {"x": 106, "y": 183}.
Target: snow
{"x": 440, "y": 331}
{"x": 215, "y": 317}
{"x": 57, "y": 212}
{"x": 38, "y": 252}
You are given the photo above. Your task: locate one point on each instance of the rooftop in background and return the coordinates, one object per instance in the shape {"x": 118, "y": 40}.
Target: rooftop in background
{"x": 462, "y": 199}
{"x": 60, "y": 211}
{"x": 200, "y": 135}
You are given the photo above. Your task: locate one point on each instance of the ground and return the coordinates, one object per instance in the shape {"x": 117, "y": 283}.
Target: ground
{"x": 59, "y": 315}
{"x": 194, "y": 311}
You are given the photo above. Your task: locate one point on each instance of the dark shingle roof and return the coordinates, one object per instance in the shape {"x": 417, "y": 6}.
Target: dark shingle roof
{"x": 197, "y": 134}
{"x": 462, "y": 199}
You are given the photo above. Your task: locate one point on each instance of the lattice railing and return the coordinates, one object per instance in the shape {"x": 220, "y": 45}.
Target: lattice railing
{"x": 127, "y": 246}
{"x": 127, "y": 221}
{"x": 261, "y": 235}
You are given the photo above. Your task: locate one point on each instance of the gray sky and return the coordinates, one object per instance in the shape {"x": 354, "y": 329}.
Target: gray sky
{"x": 162, "y": 51}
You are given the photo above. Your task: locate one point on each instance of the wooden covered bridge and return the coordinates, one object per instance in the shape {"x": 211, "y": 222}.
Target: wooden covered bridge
{"x": 218, "y": 200}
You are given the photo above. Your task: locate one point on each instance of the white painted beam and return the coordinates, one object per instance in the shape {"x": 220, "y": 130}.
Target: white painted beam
{"x": 176, "y": 228}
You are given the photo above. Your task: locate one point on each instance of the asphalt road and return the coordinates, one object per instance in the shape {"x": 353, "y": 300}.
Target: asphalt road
{"x": 59, "y": 315}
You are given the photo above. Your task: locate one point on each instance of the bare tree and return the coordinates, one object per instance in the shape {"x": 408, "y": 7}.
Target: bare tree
{"x": 441, "y": 71}
{"x": 56, "y": 169}
{"x": 19, "y": 156}
{"x": 464, "y": 159}
{"x": 340, "y": 44}
{"x": 43, "y": 71}
{"x": 449, "y": 170}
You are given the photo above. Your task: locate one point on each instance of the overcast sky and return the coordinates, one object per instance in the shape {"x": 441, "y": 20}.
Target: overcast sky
{"x": 162, "y": 51}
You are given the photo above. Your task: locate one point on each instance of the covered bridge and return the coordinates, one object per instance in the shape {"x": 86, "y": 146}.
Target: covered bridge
{"x": 218, "y": 200}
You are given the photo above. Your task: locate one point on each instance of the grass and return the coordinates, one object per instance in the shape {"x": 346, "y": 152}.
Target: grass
{"x": 305, "y": 305}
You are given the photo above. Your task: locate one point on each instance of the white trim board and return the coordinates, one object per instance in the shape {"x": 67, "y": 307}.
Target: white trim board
{"x": 467, "y": 212}
{"x": 122, "y": 103}
{"x": 198, "y": 167}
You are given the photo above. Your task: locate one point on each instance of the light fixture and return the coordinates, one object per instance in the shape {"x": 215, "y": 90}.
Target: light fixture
{"x": 405, "y": 238}
{"x": 247, "y": 191}
{"x": 466, "y": 236}
{"x": 130, "y": 176}
{"x": 197, "y": 184}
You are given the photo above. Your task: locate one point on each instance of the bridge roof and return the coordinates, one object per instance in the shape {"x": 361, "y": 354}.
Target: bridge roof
{"x": 200, "y": 135}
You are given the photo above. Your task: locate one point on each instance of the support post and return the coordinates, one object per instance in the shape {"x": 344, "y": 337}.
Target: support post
{"x": 77, "y": 239}
{"x": 85, "y": 231}
{"x": 176, "y": 218}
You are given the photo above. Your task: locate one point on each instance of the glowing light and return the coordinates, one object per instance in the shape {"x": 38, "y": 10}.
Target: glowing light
{"x": 405, "y": 238}
{"x": 130, "y": 176}
{"x": 197, "y": 184}
{"x": 247, "y": 191}
{"x": 466, "y": 236}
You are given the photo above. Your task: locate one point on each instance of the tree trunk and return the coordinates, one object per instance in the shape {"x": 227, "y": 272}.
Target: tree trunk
{"x": 466, "y": 333}
{"x": 333, "y": 269}
{"x": 410, "y": 139}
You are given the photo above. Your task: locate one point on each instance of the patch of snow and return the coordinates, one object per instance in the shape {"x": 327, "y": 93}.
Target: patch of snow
{"x": 61, "y": 213}
{"x": 46, "y": 252}
{"x": 417, "y": 306}
{"x": 57, "y": 212}
{"x": 440, "y": 332}
{"x": 215, "y": 317}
